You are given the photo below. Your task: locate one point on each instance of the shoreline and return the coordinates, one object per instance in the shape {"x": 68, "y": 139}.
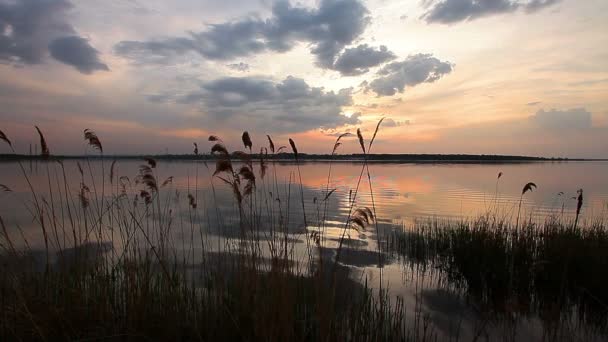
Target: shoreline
{"x": 343, "y": 158}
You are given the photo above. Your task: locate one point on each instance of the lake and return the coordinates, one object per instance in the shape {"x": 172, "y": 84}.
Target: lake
{"x": 403, "y": 193}
{"x": 203, "y": 214}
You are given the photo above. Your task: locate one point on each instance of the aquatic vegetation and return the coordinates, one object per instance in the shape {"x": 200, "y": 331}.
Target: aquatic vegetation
{"x": 128, "y": 261}
{"x": 549, "y": 269}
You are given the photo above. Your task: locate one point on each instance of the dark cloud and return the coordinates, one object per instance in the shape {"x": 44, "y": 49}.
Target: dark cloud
{"x": 570, "y": 119}
{"x": 328, "y": 29}
{"x": 536, "y": 5}
{"x": 243, "y": 67}
{"x": 414, "y": 70}
{"x": 287, "y": 106}
{"x": 77, "y": 52}
{"x": 358, "y": 60}
{"x": 29, "y": 27}
{"x": 452, "y": 11}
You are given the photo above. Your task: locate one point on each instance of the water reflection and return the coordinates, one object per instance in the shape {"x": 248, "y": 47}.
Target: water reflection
{"x": 402, "y": 194}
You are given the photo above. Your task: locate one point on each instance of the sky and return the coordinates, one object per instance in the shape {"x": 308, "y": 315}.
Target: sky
{"x": 519, "y": 77}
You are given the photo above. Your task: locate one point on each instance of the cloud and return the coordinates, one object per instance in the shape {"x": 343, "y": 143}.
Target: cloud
{"x": 243, "y": 67}
{"x": 388, "y": 122}
{"x": 533, "y": 103}
{"x": 414, "y": 70}
{"x": 328, "y": 29}
{"x": 588, "y": 82}
{"x": 558, "y": 120}
{"x": 358, "y": 60}
{"x": 262, "y": 104}
{"x": 537, "y": 5}
{"x": 29, "y": 27}
{"x": 77, "y": 52}
{"x": 453, "y": 11}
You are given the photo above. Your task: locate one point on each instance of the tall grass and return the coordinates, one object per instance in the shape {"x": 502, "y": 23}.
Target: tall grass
{"x": 553, "y": 270}
{"x": 121, "y": 274}
{"x": 120, "y": 258}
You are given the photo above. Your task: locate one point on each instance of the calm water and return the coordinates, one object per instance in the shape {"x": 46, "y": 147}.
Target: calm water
{"x": 402, "y": 194}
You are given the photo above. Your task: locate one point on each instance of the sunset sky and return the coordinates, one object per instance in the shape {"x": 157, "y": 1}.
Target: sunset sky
{"x": 526, "y": 77}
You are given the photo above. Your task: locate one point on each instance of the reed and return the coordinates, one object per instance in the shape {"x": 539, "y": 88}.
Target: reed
{"x": 114, "y": 264}
{"x": 549, "y": 269}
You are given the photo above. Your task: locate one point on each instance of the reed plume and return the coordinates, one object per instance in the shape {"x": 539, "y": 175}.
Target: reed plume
{"x": 270, "y": 143}
{"x": 361, "y": 218}
{"x": 146, "y": 177}
{"x": 5, "y": 138}
{"x": 361, "y": 142}
{"x": 191, "y": 201}
{"x": 579, "y": 205}
{"x": 241, "y": 155}
{"x": 146, "y": 196}
{"x": 93, "y": 139}
{"x": 112, "y": 171}
{"x": 150, "y": 162}
{"x": 84, "y": 200}
{"x": 528, "y": 187}
{"x": 338, "y": 143}
{"x": 195, "y": 149}
{"x": 44, "y": 148}
{"x": 293, "y": 147}
{"x": 329, "y": 194}
{"x": 214, "y": 138}
{"x": 219, "y": 148}
{"x": 167, "y": 181}
{"x": 247, "y": 140}
{"x": 375, "y": 132}
{"x": 248, "y": 175}
{"x": 222, "y": 165}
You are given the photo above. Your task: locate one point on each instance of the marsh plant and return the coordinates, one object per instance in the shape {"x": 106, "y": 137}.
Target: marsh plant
{"x": 134, "y": 257}
{"x": 112, "y": 267}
